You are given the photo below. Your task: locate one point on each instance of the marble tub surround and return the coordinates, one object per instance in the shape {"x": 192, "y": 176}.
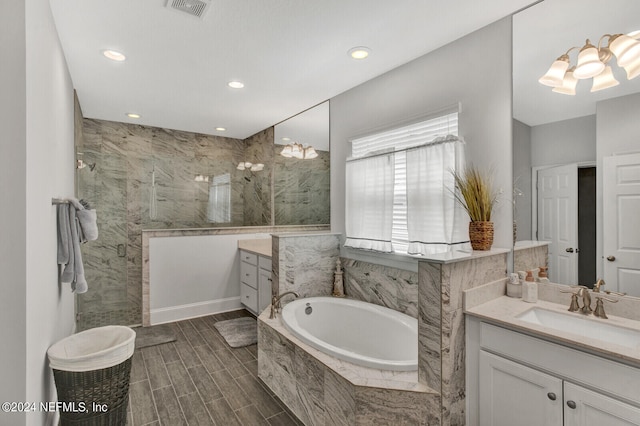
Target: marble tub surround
{"x": 304, "y": 263}
{"x": 441, "y": 339}
{"x": 322, "y": 390}
{"x": 528, "y": 255}
{"x": 393, "y": 288}
{"x": 504, "y": 310}
{"x": 259, "y": 246}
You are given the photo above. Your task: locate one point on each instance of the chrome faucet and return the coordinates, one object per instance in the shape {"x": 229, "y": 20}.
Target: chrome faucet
{"x": 275, "y": 303}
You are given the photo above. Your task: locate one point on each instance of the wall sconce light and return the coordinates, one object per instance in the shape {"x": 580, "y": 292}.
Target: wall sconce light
{"x": 201, "y": 178}
{"x": 593, "y": 62}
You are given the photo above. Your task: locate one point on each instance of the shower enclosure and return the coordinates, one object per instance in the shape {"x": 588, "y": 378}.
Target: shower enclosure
{"x": 105, "y": 260}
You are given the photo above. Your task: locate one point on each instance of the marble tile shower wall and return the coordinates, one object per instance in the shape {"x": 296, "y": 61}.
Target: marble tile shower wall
{"x": 257, "y": 188}
{"x": 302, "y": 190}
{"x": 119, "y": 187}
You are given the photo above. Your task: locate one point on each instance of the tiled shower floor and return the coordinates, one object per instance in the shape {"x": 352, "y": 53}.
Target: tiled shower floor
{"x": 200, "y": 380}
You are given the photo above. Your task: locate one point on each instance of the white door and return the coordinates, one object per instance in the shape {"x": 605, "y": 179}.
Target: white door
{"x": 621, "y": 223}
{"x": 512, "y": 394}
{"x": 558, "y": 220}
{"x": 587, "y": 408}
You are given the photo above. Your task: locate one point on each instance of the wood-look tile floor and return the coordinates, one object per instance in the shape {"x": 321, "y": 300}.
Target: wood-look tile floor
{"x": 200, "y": 380}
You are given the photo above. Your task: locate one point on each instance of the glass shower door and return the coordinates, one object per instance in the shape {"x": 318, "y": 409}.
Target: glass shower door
{"x": 103, "y": 184}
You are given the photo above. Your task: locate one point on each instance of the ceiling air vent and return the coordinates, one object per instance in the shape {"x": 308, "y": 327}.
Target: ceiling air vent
{"x": 196, "y": 8}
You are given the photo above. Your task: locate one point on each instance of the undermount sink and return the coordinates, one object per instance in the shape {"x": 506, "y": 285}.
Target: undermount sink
{"x": 576, "y": 323}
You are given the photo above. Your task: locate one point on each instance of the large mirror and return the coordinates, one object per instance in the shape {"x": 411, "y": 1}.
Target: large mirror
{"x": 576, "y": 163}
{"x": 301, "y": 168}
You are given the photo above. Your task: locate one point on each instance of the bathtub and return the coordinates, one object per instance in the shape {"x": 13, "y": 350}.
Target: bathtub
{"x": 358, "y": 332}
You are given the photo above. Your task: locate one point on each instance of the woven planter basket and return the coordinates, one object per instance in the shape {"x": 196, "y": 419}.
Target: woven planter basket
{"x": 481, "y": 235}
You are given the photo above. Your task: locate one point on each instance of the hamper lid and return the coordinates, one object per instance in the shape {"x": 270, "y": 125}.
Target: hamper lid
{"x": 93, "y": 349}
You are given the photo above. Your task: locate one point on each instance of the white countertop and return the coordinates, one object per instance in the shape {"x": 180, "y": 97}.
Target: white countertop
{"x": 260, "y": 246}
{"x": 504, "y": 310}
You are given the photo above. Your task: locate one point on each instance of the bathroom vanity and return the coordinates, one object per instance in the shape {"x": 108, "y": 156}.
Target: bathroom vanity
{"x": 566, "y": 370}
{"x": 255, "y": 274}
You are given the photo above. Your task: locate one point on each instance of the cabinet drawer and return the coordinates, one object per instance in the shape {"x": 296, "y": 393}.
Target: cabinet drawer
{"x": 249, "y": 274}
{"x": 250, "y": 258}
{"x": 264, "y": 263}
{"x": 249, "y": 297}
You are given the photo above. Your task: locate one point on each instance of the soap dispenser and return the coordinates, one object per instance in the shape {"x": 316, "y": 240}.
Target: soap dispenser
{"x": 542, "y": 275}
{"x": 530, "y": 289}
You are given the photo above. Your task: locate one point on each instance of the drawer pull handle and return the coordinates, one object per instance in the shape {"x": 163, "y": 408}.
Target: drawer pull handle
{"x": 247, "y": 296}
{"x": 246, "y": 275}
{"x": 571, "y": 404}
{"x": 551, "y": 396}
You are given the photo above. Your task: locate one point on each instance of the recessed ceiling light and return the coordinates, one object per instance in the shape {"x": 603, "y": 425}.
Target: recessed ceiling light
{"x": 359, "y": 52}
{"x": 286, "y": 139}
{"x": 221, "y": 129}
{"x": 114, "y": 55}
{"x": 133, "y": 115}
{"x": 235, "y": 84}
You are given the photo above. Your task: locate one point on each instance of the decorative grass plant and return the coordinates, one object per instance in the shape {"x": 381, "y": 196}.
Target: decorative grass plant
{"x": 475, "y": 193}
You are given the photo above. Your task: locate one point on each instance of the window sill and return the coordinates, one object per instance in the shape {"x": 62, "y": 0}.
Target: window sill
{"x": 410, "y": 262}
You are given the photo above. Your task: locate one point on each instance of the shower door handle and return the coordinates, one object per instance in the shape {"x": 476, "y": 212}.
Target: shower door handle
{"x": 122, "y": 250}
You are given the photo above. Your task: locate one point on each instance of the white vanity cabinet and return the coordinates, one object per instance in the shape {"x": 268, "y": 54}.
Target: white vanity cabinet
{"x": 513, "y": 394}
{"x": 255, "y": 281}
{"x": 517, "y": 379}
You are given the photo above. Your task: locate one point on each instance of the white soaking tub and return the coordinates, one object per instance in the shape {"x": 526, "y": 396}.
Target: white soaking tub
{"x": 358, "y": 332}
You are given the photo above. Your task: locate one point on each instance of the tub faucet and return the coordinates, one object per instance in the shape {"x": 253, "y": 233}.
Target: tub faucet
{"x": 275, "y": 303}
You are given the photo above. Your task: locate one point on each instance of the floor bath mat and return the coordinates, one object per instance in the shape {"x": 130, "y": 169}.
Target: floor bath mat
{"x": 154, "y": 335}
{"x": 239, "y": 332}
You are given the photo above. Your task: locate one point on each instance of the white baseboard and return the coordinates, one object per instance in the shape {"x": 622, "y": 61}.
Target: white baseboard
{"x": 194, "y": 310}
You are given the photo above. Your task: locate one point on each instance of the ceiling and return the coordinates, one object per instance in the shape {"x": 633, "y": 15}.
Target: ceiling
{"x": 290, "y": 54}
{"x": 547, "y": 30}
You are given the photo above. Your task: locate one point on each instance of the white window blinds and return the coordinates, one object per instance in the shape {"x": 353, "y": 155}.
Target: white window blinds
{"x": 399, "y": 141}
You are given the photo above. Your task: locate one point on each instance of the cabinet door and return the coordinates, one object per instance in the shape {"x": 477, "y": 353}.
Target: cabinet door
{"x": 264, "y": 289}
{"x": 512, "y": 394}
{"x": 594, "y": 409}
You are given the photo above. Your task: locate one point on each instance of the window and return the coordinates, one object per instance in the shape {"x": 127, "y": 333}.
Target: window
{"x": 219, "y": 207}
{"x": 399, "y": 189}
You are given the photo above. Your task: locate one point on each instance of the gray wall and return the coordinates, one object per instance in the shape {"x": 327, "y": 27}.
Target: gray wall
{"x": 522, "y": 179}
{"x": 13, "y": 223}
{"x": 618, "y": 131}
{"x": 36, "y": 164}
{"x": 563, "y": 142}
{"x": 457, "y": 72}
